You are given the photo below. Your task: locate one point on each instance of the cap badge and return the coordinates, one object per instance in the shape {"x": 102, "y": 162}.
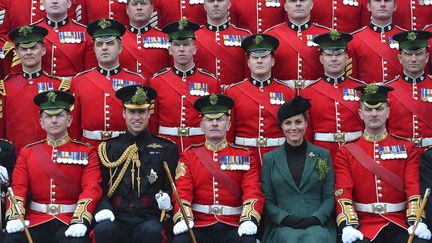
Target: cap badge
{"x": 213, "y": 99}
{"x": 140, "y": 96}
{"x": 51, "y": 97}
{"x": 335, "y": 35}
{"x": 258, "y": 39}
{"x": 182, "y": 23}
{"x": 25, "y": 30}
{"x": 371, "y": 89}
{"x": 103, "y": 23}
{"x": 411, "y": 36}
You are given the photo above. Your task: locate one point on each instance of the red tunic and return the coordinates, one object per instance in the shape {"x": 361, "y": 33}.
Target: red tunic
{"x": 413, "y": 14}
{"x": 97, "y": 110}
{"x": 174, "y": 104}
{"x": 144, "y": 51}
{"x": 14, "y": 14}
{"x": 219, "y": 51}
{"x": 374, "y": 55}
{"x": 337, "y": 14}
{"x": 196, "y": 185}
{"x": 30, "y": 178}
{"x": 409, "y": 97}
{"x": 297, "y": 56}
{"x": 9, "y": 62}
{"x": 257, "y": 15}
{"x": 109, "y": 9}
{"x": 20, "y": 120}
{"x": 174, "y": 10}
{"x": 354, "y": 183}
{"x": 69, "y": 49}
{"x": 429, "y": 28}
{"x": 254, "y": 114}
{"x": 334, "y": 109}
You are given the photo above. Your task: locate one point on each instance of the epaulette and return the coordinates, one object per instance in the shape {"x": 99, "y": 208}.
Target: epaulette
{"x": 238, "y": 146}
{"x": 238, "y": 28}
{"x": 194, "y": 145}
{"x": 273, "y": 27}
{"x": 37, "y": 22}
{"x": 400, "y": 28}
{"x": 235, "y": 84}
{"x": 161, "y": 72}
{"x": 206, "y": 72}
{"x": 78, "y": 23}
{"x": 391, "y": 80}
{"x": 86, "y": 71}
{"x": 165, "y": 138}
{"x": 34, "y": 143}
{"x": 321, "y": 26}
{"x": 2, "y": 86}
{"x": 356, "y": 31}
{"x": 80, "y": 142}
{"x": 357, "y": 80}
{"x": 5, "y": 140}
{"x": 427, "y": 26}
{"x": 132, "y": 72}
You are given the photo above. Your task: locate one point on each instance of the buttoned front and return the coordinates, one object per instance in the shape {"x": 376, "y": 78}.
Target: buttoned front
{"x": 343, "y": 15}
{"x": 297, "y": 57}
{"x": 356, "y": 184}
{"x": 219, "y": 51}
{"x": 257, "y": 15}
{"x": 254, "y": 115}
{"x": 96, "y": 107}
{"x": 413, "y": 14}
{"x": 177, "y": 91}
{"x": 144, "y": 50}
{"x": 109, "y": 9}
{"x": 373, "y": 46}
{"x": 174, "y": 10}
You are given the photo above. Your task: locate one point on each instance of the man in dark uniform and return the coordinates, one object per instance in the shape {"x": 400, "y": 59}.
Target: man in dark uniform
{"x": 333, "y": 117}
{"x": 218, "y": 183}
{"x": 57, "y": 180}
{"x": 17, "y": 90}
{"x": 135, "y": 184}
{"x": 99, "y": 113}
{"x": 411, "y": 101}
{"x": 377, "y": 185}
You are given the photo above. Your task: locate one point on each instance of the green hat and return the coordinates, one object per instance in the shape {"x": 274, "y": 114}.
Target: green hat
{"x": 27, "y": 36}
{"x": 413, "y": 41}
{"x": 136, "y": 96}
{"x": 333, "y": 41}
{"x": 214, "y": 106}
{"x": 260, "y": 45}
{"x": 181, "y": 30}
{"x": 298, "y": 105}
{"x": 374, "y": 94}
{"x": 106, "y": 29}
{"x": 53, "y": 102}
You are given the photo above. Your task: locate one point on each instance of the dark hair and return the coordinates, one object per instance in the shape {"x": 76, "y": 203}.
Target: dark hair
{"x": 305, "y": 116}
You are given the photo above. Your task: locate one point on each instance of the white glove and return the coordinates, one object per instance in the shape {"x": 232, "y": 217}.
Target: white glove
{"x": 181, "y": 227}
{"x": 163, "y": 201}
{"x": 247, "y": 228}
{"x": 15, "y": 225}
{"x": 76, "y": 230}
{"x": 4, "y": 174}
{"x": 421, "y": 232}
{"x": 349, "y": 234}
{"x": 104, "y": 214}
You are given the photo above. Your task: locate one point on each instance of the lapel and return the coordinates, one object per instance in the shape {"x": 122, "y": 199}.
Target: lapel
{"x": 310, "y": 163}
{"x": 281, "y": 162}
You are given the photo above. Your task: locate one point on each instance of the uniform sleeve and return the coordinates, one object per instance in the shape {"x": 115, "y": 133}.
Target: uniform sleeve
{"x": 230, "y": 135}
{"x": 4, "y": 19}
{"x": 75, "y": 130}
{"x": 20, "y": 184}
{"x": 154, "y": 117}
{"x": 275, "y": 213}
{"x": 426, "y": 181}
{"x": 345, "y": 210}
{"x": 328, "y": 200}
{"x": 253, "y": 198}
{"x": 7, "y": 156}
{"x": 91, "y": 191}
{"x": 412, "y": 185}
{"x": 90, "y": 60}
{"x": 184, "y": 185}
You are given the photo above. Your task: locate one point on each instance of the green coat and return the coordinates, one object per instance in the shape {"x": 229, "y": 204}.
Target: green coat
{"x": 283, "y": 197}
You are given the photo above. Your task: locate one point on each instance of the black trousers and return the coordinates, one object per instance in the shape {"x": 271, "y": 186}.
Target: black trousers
{"x": 49, "y": 232}
{"x": 215, "y": 234}
{"x": 134, "y": 230}
{"x": 392, "y": 233}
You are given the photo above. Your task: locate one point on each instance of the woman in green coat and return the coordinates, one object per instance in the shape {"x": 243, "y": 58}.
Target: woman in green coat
{"x": 297, "y": 181}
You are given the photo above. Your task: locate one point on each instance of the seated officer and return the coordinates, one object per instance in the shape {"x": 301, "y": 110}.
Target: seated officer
{"x": 218, "y": 183}
{"x": 133, "y": 175}
{"x": 57, "y": 180}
